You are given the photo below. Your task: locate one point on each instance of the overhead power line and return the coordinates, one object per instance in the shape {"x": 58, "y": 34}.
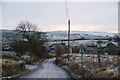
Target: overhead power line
{"x": 67, "y": 10}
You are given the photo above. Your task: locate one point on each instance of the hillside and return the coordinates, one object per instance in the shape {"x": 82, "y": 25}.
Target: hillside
{"x": 8, "y": 35}
{"x": 63, "y": 34}
{"x": 78, "y": 34}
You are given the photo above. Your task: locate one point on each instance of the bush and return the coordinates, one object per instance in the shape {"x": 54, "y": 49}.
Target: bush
{"x": 104, "y": 74}
{"x": 60, "y": 62}
{"x": 78, "y": 71}
{"x": 50, "y": 56}
{"x": 73, "y": 67}
{"x": 11, "y": 67}
{"x": 10, "y": 56}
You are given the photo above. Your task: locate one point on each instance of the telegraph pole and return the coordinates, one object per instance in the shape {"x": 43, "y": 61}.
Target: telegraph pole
{"x": 68, "y": 18}
{"x": 68, "y": 40}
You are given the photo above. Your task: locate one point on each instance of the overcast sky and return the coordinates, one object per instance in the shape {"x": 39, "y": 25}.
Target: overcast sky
{"x": 51, "y": 16}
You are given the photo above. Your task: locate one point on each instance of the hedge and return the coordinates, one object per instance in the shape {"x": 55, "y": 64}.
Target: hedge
{"x": 11, "y": 67}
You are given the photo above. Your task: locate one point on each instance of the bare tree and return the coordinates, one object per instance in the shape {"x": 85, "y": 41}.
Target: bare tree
{"x": 32, "y": 38}
{"x": 27, "y": 29}
{"x": 60, "y": 49}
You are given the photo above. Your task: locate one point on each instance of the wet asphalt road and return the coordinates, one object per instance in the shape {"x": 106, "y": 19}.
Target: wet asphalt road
{"x": 47, "y": 69}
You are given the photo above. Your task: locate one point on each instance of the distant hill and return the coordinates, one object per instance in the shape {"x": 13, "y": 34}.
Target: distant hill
{"x": 63, "y": 34}
{"x": 9, "y": 35}
{"x": 79, "y": 34}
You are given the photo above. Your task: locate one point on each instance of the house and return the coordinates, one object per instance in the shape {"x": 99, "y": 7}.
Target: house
{"x": 92, "y": 49}
{"x": 53, "y": 46}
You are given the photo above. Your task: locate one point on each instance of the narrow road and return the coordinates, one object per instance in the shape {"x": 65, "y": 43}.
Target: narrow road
{"x": 47, "y": 69}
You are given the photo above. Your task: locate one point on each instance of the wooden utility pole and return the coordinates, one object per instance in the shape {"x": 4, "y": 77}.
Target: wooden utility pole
{"x": 68, "y": 40}
{"x": 118, "y": 40}
{"x": 99, "y": 58}
{"x": 99, "y": 47}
